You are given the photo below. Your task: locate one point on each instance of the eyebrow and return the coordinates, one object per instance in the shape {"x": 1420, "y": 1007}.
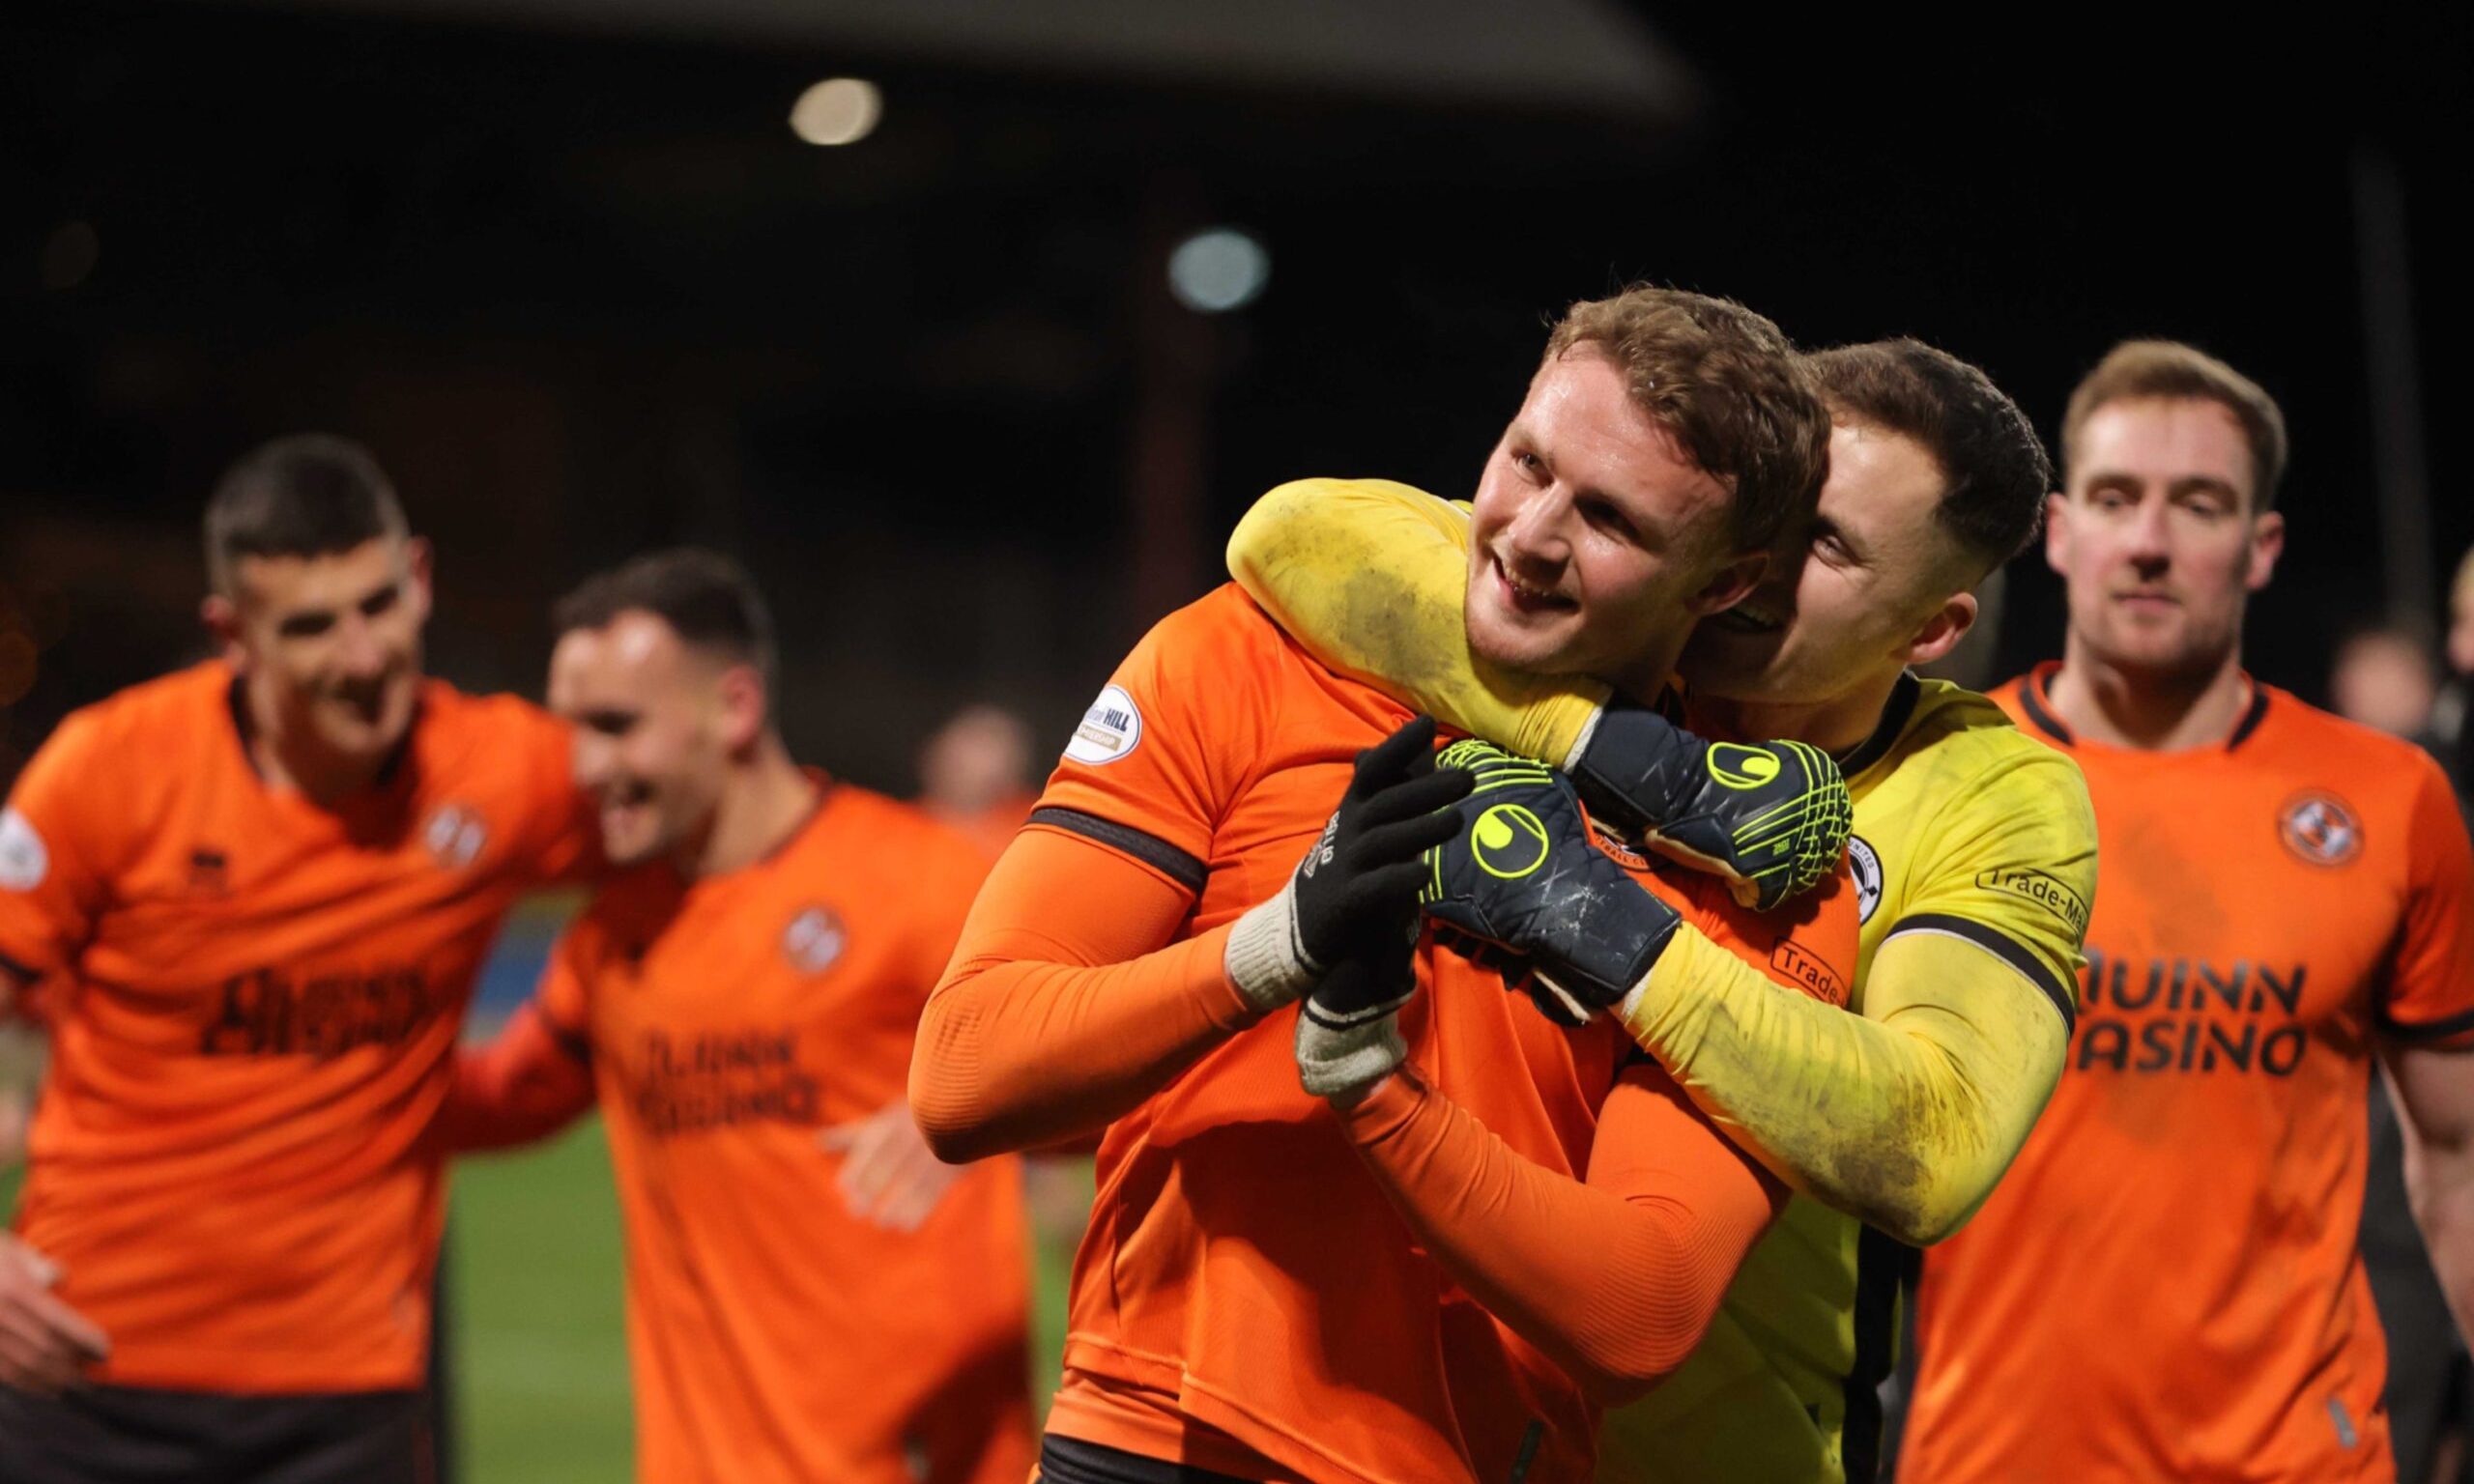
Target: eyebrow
{"x": 2186, "y": 484}
{"x": 330, "y": 612}
{"x": 2204, "y": 484}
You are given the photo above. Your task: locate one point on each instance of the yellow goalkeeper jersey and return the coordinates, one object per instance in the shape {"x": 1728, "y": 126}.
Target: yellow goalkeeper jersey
{"x": 1953, "y": 804}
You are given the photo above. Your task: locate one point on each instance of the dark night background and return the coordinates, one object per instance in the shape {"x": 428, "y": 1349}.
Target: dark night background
{"x": 583, "y": 290}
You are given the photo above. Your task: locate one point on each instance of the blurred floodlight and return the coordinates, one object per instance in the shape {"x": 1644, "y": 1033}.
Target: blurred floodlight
{"x": 839, "y": 110}
{"x": 1217, "y": 269}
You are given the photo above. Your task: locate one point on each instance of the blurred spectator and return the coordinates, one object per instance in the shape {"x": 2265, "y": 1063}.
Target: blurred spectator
{"x": 975, "y": 775}
{"x": 2382, "y": 678}
{"x": 2449, "y": 722}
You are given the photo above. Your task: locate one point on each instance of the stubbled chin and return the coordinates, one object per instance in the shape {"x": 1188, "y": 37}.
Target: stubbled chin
{"x": 1536, "y": 648}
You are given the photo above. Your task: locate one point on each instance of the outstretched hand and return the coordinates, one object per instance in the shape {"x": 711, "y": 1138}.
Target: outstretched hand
{"x": 44, "y": 1345}
{"x": 889, "y": 1176}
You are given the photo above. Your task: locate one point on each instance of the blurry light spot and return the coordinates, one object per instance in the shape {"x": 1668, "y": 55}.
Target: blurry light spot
{"x": 69, "y": 255}
{"x": 1219, "y": 269}
{"x": 839, "y": 110}
{"x": 16, "y": 667}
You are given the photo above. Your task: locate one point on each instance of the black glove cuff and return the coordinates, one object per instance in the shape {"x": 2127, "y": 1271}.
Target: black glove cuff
{"x": 1635, "y": 768}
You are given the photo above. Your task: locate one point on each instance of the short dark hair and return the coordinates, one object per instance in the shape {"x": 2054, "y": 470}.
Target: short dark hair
{"x": 2168, "y": 369}
{"x": 708, "y": 600}
{"x": 305, "y": 495}
{"x": 1994, "y": 469}
{"x": 1730, "y": 387}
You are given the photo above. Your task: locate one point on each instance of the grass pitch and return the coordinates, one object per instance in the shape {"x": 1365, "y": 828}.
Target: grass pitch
{"x": 537, "y": 1322}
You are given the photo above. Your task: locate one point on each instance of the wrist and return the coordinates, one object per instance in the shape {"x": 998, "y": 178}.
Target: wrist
{"x": 1383, "y": 1107}
{"x": 1343, "y": 1065}
{"x": 1655, "y": 1005}
{"x": 1265, "y": 958}
{"x": 1630, "y": 765}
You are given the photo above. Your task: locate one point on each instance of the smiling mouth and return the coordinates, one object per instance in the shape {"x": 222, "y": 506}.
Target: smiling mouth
{"x": 1523, "y": 597}
{"x": 619, "y": 800}
{"x": 1749, "y": 617}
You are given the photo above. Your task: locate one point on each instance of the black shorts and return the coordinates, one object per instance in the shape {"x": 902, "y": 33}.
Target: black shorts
{"x": 1072, "y": 1461}
{"x": 126, "y": 1435}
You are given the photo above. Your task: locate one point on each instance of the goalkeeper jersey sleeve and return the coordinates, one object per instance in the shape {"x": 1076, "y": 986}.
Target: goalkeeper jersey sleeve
{"x": 1368, "y": 575}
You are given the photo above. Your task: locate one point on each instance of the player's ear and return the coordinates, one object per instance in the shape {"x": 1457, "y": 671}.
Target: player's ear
{"x": 743, "y": 707}
{"x": 223, "y": 619}
{"x": 2267, "y": 544}
{"x": 1941, "y": 633}
{"x": 418, "y": 557}
{"x": 1730, "y": 585}
{"x": 2057, "y": 530}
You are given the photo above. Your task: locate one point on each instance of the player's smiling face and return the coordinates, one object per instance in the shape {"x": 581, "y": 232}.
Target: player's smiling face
{"x": 1859, "y": 589}
{"x": 331, "y": 644}
{"x": 653, "y": 733}
{"x": 1595, "y": 542}
{"x": 2156, "y": 540}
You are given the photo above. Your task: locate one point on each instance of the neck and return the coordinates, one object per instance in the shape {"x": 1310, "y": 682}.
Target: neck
{"x": 2148, "y": 710}
{"x": 762, "y": 805}
{"x": 1834, "y": 726}
{"x": 286, "y": 760}
{"x": 1649, "y": 675}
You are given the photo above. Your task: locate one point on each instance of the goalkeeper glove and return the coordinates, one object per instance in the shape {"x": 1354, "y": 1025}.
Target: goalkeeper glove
{"x": 1770, "y": 817}
{"x": 1348, "y": 1035}
{"x": 1362, "y": 875}
{"x": 1523, "y": 877}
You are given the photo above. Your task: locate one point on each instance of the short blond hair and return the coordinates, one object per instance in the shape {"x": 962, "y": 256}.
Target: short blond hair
{"x": 2137, "y": 370}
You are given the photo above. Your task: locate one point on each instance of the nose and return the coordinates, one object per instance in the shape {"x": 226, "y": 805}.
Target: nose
{"x": 2149, "y": 547}
{"x": 591, "y": 755}
{"x": 1537, "y": 536}
{"x": 360, "y": 651}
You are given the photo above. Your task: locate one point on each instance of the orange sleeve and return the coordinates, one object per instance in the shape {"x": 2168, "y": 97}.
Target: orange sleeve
{"x": 534, "y": 1078}
{"x": 1616, "y": 1278}
{"x": 56, "y": 856}
{"x": 2429, "y": 998}
{"x": 1061, "y": 1010}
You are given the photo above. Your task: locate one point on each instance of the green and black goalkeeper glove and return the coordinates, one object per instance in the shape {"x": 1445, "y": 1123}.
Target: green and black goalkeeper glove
{"x": 1771, "y": 817}
{"x": 1524, "y": 878}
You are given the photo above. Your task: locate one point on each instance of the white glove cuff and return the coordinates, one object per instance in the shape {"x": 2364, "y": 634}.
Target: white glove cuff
{"x": 1264, "y": 959}
{"x": 1337, "y": 1060}
{"x": 1580, "y": 744}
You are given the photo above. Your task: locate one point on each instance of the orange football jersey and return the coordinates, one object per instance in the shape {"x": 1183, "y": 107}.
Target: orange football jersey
{"x": 774, "y": 1336}
{"x": 253, "y": 1003}
{"x": 1245, "y": 1298}
{"x": 2165, "y": 1285}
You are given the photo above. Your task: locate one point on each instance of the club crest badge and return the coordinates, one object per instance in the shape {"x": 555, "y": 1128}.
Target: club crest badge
{"x": 813, "y": 940}
{"x": 2321, "y": 828}
{"x": 23, "y": 859}
{"x": 1865, "y": 864}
